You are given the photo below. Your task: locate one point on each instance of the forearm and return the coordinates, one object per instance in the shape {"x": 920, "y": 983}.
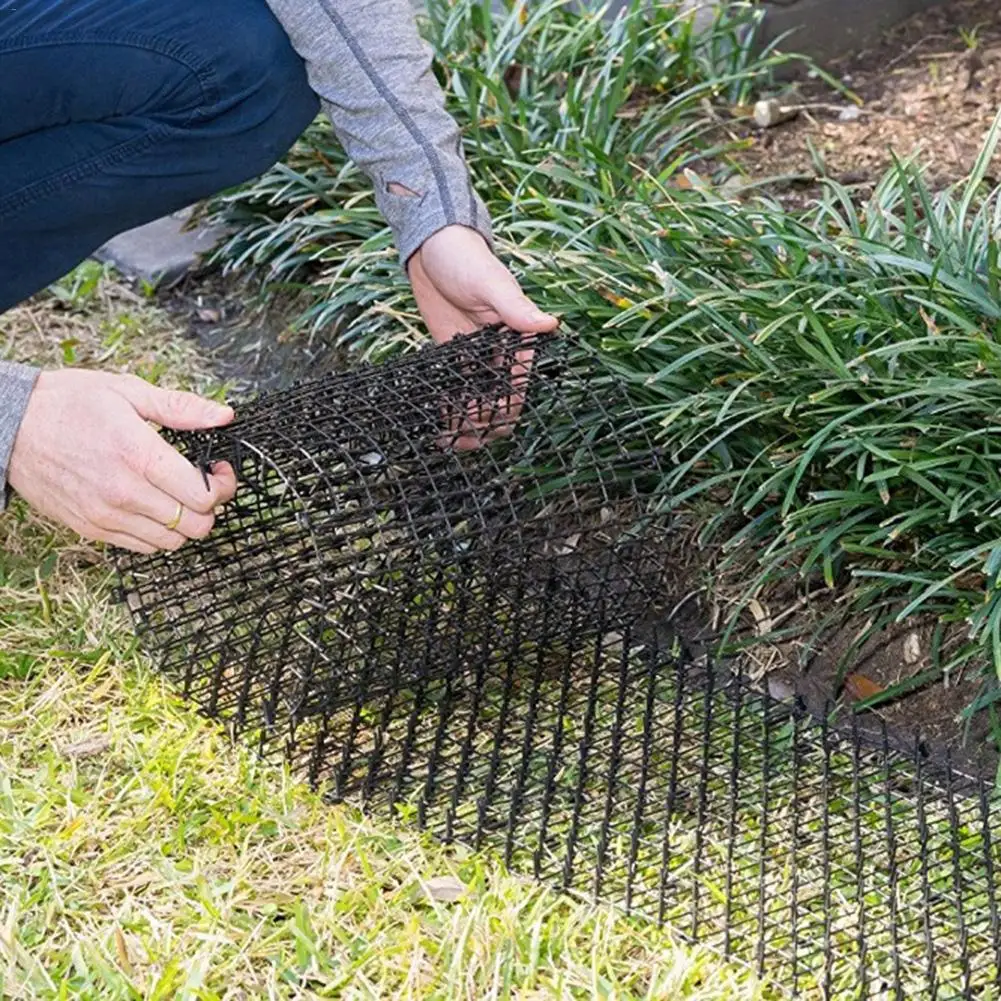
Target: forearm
{"x": 16, "y": 384}
{"x": 372, "y": 71}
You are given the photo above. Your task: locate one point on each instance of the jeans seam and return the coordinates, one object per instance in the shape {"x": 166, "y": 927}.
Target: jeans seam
{"x": 20, "y": 199}
{"x": 170, "y": 49}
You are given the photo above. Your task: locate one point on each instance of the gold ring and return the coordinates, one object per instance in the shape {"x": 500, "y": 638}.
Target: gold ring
{"x": 176, "y": 520}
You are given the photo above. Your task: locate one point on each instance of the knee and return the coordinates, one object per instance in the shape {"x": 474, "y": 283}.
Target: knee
{"x": 262, "y": 97}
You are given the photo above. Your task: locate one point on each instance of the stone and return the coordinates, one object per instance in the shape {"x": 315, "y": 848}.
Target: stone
{"x": 163, "y": 251}
{"x": 769, "y": 113}
{"x": 852, "y": 113}
{"x": 912, "y": 648}
{"x": 826, "y": 29}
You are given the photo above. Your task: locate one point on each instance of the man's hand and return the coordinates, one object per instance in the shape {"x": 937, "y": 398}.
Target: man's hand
{"x": 460, "y": 286}
{"x": 85, "y": 456}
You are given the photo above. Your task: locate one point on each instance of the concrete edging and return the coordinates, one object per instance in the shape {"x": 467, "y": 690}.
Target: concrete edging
{"x": 826, "y": 29}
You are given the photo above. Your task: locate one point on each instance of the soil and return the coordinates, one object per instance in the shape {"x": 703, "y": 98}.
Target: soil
{"x": 253, "y": 349}
{"x": 933, "y": 717}
{"x": 931, "y": 87}
{"x": 808, "y": 668}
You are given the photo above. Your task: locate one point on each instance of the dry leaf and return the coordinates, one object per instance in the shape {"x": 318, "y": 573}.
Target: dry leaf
{"x": 762, "y": 620}
{"x": 569, "y": 544}
{"x": 859, "y": 687}
{"x": 123, "y": 952}
{"x": 445, "y": 889}
{"x": 89, "y": 747}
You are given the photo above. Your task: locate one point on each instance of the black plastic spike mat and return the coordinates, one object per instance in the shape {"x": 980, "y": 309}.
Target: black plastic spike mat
{"x": 474, "y": 635}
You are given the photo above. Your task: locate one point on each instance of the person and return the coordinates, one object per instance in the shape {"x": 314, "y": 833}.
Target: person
{"x": 116, "y": 112}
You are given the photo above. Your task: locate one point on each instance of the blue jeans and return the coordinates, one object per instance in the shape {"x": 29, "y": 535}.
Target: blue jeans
{"x": 116, "y": 112}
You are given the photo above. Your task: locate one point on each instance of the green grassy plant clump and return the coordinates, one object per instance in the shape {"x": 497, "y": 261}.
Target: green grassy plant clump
{"x": 826, "y": 382}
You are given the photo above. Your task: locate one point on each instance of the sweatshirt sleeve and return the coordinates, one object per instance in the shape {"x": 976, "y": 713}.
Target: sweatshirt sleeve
{"x": 16, "y": 384}
{"x": 372, "y": 72}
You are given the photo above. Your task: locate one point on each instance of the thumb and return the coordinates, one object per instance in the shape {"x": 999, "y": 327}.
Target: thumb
{"x": 173, "y": 408}
{"x": 518, "y": 311}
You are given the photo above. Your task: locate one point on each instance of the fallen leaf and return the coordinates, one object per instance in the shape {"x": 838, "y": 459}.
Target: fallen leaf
{"x": 569, "y": 544}
{"x": 859, "y": 687}
{"x": 89, "y": 747}
{"x": 762, "y": 620}
{"x": 930, "y": 325}
{"x": 445, "y": 889}
{"x": 513, "y": 77}
{"x": 123, "y": 952}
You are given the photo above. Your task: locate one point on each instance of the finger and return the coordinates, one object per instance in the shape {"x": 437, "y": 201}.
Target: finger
{"x": 124, "y": 520}
{"x": 120, "y": 539}
{"x": 165, "y": 468}
{"x": 162, "y": 509}
{"x": 518, "y": 364}
{"x": 517, "y": 310}
{"x": 150, "y": 532}
{"x": 173, "y": 408}
{"x": 223, "y": 475}
{"x": 128, "y": 542}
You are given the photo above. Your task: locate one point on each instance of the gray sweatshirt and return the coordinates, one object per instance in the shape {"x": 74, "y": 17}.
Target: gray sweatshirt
{"x": 373, "y": 74}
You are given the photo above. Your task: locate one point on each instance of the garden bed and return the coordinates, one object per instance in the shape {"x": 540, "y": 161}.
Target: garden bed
{"x": 929, "y": 88}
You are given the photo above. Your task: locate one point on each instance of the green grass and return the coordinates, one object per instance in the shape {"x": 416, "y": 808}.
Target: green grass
{"x": 825, "y": 382}
{"x": 142, "y": 855}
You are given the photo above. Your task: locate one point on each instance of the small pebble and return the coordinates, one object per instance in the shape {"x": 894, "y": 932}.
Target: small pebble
{"x": 768, "y": 114}
{"x": 912, "y": 648}
{"x": 780, "y": 689}
{"x": 850, "y": 114}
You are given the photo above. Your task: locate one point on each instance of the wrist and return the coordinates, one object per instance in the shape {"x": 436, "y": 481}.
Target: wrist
{"x": 17, "y": 382}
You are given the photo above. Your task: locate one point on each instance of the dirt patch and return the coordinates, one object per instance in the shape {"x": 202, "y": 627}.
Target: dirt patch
{"x": 252, "y": 348}
{"x": 931, "y": 87}
{"x": 932, "y": 717}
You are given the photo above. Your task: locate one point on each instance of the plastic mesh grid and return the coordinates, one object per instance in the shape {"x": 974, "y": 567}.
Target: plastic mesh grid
{"x": 834, "y": 864}
{"x": 475, "y": 638}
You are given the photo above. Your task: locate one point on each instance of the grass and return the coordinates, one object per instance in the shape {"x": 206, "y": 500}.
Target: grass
{"x": 826, "y": 382}
{"x": 142, "y": 855}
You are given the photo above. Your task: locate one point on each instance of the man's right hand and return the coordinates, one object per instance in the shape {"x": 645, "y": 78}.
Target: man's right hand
{"x": 86, "y": 456}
